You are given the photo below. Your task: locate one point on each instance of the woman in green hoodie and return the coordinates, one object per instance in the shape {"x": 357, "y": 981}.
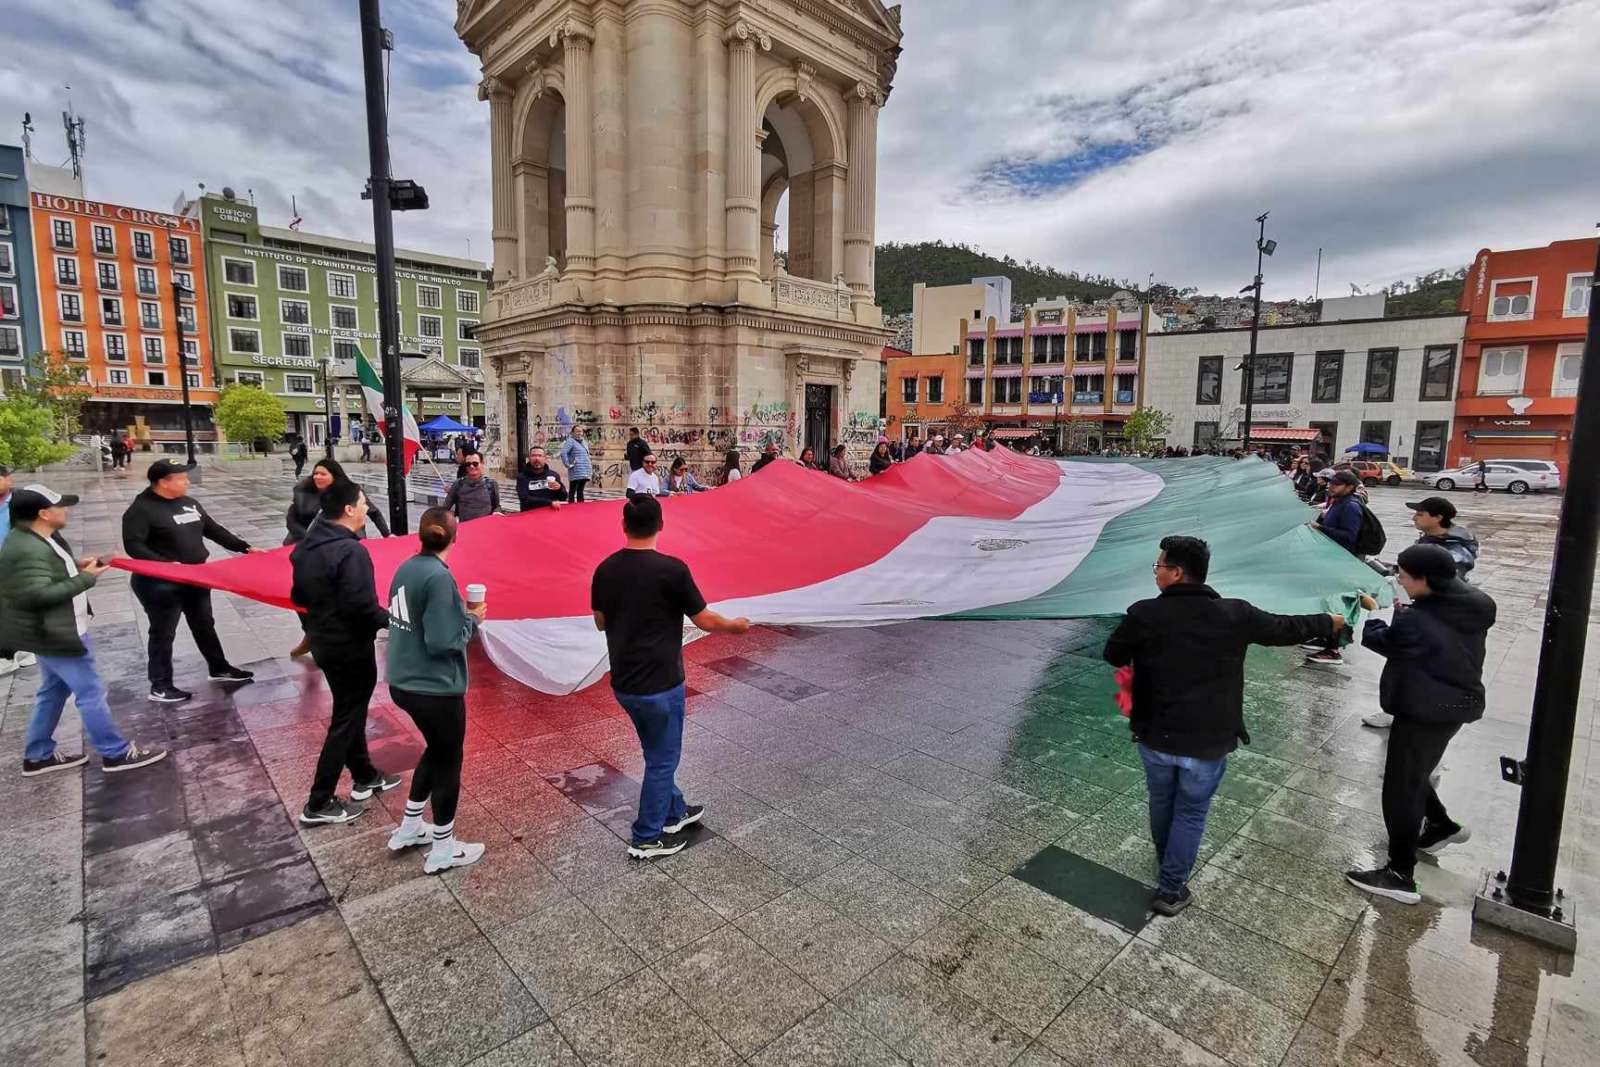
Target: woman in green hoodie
{"x": 429, "y": 629}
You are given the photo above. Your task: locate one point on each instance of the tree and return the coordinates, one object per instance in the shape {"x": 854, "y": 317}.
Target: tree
{"x": 1144, "y": 427}
{"x": 28, "y": 433}
{"x": 964, "y": 419}
{"x": 54, "y": 384}
{"x": 1081, "y": 437}
{"x": 249, "y": 413}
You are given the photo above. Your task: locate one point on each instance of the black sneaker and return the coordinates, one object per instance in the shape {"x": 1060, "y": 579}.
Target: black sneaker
{"x": 665, "y": 845}
{"x": 1384, "y": 882}
{"x": 1325, "y": 659}
{"x": 134, "y": 757}
{"x": 233, "y": 674}
{"x": 57, "y": 762}
{"x": 168, "y": 694}
{"x": 1435, "y": 838}
{"x": 691, "y": 815}
{"x": 364, "y": 790}
{"x": 334, "y": 811}
{"x": 1165, "y": 903}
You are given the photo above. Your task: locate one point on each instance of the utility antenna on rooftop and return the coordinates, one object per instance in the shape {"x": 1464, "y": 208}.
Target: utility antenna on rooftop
{"x": 27, "y": 135}
{"x": 77, "y": 145}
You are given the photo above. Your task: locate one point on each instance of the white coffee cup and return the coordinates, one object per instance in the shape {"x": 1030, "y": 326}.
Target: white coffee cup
{"x": 552, "y": 482}
{"x": 476, "y": 594}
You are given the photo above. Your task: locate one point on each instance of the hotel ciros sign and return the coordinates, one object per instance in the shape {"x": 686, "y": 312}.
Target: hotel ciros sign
{"x": 114, "y": 212}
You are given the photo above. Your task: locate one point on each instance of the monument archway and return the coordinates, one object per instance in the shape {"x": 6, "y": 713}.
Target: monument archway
{"x": 540, "y": 172}
{"x": 801, "y": 152}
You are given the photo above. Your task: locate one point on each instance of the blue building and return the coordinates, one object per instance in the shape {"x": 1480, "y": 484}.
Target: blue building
{"x": 20, "y": 334}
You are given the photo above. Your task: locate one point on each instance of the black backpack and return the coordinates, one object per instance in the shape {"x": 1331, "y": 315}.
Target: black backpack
{"x": 1370, "y": 539}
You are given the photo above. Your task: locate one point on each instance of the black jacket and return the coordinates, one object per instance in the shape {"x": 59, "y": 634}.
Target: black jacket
{"x": 765, "y": 458}
{"x": 173, "y": 531}
{"x": 1460, "y": 543}
{"x": 1434, "y": 654}
{"x": 878, "y": 464}
{"x": 636, "y": 451}
{"x": 333, "y": 582}
{"x": 532, "y": 490}
{"x": 307, "y": 504}
{"x": 1187, "y": 648}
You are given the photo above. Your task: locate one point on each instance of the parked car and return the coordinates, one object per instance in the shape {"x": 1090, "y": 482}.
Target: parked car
{"x": 1513, "y": 475}
{"x": 1371, "y": 472}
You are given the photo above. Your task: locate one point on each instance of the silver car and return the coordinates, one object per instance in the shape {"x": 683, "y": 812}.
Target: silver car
{"x": 1513, "y": 475}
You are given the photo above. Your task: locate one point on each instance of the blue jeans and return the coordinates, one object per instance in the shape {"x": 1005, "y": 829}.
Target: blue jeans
{"x": 1181, "y": 788}
{"x": 658, "y": 717}
{"x": 60, "y": 675}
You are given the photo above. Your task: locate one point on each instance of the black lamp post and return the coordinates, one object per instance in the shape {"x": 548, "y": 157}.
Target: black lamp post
{"x": 1264, "y": 247}
{"x": 178, "y": 293}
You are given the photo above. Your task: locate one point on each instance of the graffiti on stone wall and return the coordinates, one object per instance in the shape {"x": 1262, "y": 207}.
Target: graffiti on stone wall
{"x": 861, "y": 428}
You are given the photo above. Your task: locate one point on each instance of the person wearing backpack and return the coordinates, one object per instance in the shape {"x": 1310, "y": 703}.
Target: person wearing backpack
{"x": 1353, "y": 527}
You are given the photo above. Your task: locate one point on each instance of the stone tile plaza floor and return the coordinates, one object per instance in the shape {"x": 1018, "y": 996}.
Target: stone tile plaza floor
{"x": 895, "y": 865}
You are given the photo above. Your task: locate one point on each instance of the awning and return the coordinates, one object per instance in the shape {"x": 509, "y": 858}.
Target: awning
{"x": 1514, "y": 435}
{"x": 1013, "y": 433}
{"x": 1285, "y": 433}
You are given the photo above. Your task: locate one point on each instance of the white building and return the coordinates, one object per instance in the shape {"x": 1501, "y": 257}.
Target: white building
{"x": 1330, "y": 385}
{"x": 937, "y": 311}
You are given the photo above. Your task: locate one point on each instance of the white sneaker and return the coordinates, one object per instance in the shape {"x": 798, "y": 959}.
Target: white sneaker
{"x": 1378, "y": 720}
{"x": 462, "y": 855}
{"x": 401, "y": 839}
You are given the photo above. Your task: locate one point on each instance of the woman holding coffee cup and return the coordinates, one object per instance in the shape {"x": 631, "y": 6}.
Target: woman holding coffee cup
{"x": 429, "y": 630}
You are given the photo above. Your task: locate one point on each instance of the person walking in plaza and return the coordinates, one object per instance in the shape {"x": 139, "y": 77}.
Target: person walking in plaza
{"x": 681, "y": 480}
{"x": 574, "y": 456}
{"x": 882, "y": 459}
{"x": 1187, "y": 647}
{"x": 635, "y": 449}
{"x": 334, "y": 585}
{"x": 645, "y": 481}
{"x": 539, "y": 486}
{"x": 119, "y": 452}
{"x": 474, "y": 494}
{"x": 164, "y": 523}
{"x": 429, "y": 630}
{"x": 640, "y": 598}
{"x": 839, "y": 464}
{"x": 729, "y": 472}
{"x": 1341, "y": 522}
{"x": 1481, "y": 476}
{"x": 297, "y": 452}
{"x": 44, "y": 610}
{"x": 1432, "y": 684}
{"x": 769, "y": 452}
{"x": 12, "y": 662}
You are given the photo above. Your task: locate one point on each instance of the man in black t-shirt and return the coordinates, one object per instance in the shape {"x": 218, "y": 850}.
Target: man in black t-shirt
{"x": 640, "y": 599}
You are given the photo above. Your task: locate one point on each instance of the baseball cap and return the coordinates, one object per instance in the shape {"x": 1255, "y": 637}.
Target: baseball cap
{"x": 27, "y": 502}
{"x": 163, "y": 467}
{"x": 1345, "y": 478}
{"x": 1437, "y": 506}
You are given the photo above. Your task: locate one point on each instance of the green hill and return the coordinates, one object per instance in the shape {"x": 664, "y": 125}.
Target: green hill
{"x": 937, "y": 263}
{"x": 1428, "y": 298}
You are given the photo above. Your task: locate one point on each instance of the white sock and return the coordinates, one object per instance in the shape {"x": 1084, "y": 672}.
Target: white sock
{"x": 412, "y": 822}
{"x": 444, "y": 839}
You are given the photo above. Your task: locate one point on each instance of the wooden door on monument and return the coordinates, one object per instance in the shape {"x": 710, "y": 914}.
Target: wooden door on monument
{"x": 819, "y": 420}
{"x": 520, "y": 418}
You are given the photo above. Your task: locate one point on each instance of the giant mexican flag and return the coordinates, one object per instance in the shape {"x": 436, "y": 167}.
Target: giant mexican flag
{"x": 372, "y": 391}
{"x": 977, "y": 535}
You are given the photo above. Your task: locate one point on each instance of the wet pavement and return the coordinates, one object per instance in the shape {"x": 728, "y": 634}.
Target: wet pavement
{"x": 923, "y": 844}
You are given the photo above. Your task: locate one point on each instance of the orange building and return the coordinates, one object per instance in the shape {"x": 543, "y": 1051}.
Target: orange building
{"x": 106, "y": 275}
{"x": 921, "y": 392}
{"x": 1527, "y": 312}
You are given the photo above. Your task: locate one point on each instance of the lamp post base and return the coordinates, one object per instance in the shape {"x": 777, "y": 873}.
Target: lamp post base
{"x": 1492, "y": 906}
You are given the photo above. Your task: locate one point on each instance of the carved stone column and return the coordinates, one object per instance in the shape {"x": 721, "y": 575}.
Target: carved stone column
{"x": 578, "y": 41}
{"x": 504, "y": 231}
{"x": 743, "y": 201}
{"x": 861, "y": 194}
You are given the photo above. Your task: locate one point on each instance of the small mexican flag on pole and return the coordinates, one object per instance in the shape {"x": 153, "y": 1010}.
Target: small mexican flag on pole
{"x": 372, "y": 389}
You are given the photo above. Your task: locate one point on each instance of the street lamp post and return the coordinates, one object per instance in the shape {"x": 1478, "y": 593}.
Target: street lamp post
{"x": 1264, "y": 247}
{"x": 327, "y": 405}
{"x": 178, "y": 292}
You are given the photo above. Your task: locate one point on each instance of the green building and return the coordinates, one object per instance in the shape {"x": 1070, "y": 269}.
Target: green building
{"x": 289, "y": 307}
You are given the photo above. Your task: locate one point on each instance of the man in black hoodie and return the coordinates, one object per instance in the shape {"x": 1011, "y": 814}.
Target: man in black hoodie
{"x": 1433, "y": 685}
{"x": 1186, "y": 647}
{"x": 537, "y": 485}
{"x": 166, "y": 524}
{"x": 333, "y": 582}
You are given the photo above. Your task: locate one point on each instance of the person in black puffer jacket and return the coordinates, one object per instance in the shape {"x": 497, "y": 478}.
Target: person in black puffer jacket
{"x": 1432, "y": 684}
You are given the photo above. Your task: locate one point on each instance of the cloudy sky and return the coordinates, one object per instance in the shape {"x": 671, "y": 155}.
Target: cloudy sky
{"x": 1123, "y": 138}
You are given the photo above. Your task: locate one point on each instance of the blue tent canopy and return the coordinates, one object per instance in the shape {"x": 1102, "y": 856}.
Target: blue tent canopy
{"x": 1369, "y": 447}
{"x": 445, "y": 424}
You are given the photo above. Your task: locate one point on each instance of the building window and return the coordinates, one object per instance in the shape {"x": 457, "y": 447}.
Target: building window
{"x": 178, "y": 249}
{"x": 975, "y": 390}
{"x": 975, "y": 351}
{"x": 1090, "y": 348}
{"x": 144, "y": 245}
{"x": 1438, "y": 371}
{"x": 8, "y": 302}
{"x": 191, "y": 352}
{"x": 344, "y": 350}
{"x": 1126, "y": 388}
{"x": 1569, "y": 361}
{"x": 475, "y": 396}
{"x": 1008, "y": 390}
{"x": 430, "y": 297}
{"x": 244, "y": 342}
{"x": 63, "y": 234}
{"x": 467, "y": 301}
{"x": 1375, "y": 433}
{"x": 186, "y": 318}
{"x": 72, "y": 342}
{"x": 431, "y": 326}
{"x": 252, "y": 378}
{"x": 8, "y": 261}
{"x": 10, "y": 342}
{"x": 185, "y": 283}
{"x": 1580, "y": 288}
{"x": 117, "y": 377}
{"x": 1511, "y": 299}
{"x": 469, "y": 357}
{"x": 299, "y": 383}
{"x": 1429, "y": 446}
{"x": 297, "y": 345}
{"x": 1271, "y": 379}
{"x": 1089, "y": 389}
{"x": 908, "y": 390}
{"x": 238, "y": 271}
{"x": 147, "y": 282}
{"x": 342, "y": 286}
{"x": 1208, "y": 385}
{"x": 156, "y": 378}
{"x": 116, "y": 348}
{"x": 1380, "y": 374}
{"x": 936, "y": 390}
{"x": 105, "y": 240}
{"x": 106, "y": 277}
{"x": 1058, "y": 348}
{"x": 1127, "y": 344}
{"x": 1500, "y": 371}
{"x": 149, "y": 315}
{"x": 5, "y": 218}
{"x": 295, "y": 312}
{"x": 293, "y": 279}
{"x": 466, "y": 329}
{"x": 66, "y": 271}
{"x": 154, "y": 351}
{"x": 241, "y": 307}
{"x": 341, "y": 317}
{"x": 71, "y": 307}
{"x": 1327, "y": 377}
{"x": 110, "y": 311}
{"x": 1205, "y": 435}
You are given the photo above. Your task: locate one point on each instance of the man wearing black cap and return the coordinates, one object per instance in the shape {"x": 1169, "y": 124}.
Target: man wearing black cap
{"x": 1433, "y": 685}
{"x": 165, "y": 524}
{"x": 1435, "y": 520}
{"x": 1342, "y": 523}
{"x": 44, "y": 608}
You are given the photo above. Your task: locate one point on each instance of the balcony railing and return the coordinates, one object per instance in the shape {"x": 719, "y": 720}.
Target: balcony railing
{"x": 1124, "y": 396}
{"x": 831, "y": 299}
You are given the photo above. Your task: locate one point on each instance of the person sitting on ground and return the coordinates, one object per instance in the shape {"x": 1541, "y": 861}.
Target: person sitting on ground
{"x": 769, "y": 452}
{"x": 1187, "y": 648}
{"x": 839, "y": 464}
{"x": 473, "y": 495}
{"x": 881, "y": 459}
{"x": 680, "y": 479}
{"x": 645, "y": 481}
{"x": 538, "y": 485}
{"x": 729, "y": 472}
{"x": 1432, "y": 684}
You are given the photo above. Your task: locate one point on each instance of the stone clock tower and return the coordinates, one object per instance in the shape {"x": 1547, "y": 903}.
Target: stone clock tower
{"x": 641, "y": 152}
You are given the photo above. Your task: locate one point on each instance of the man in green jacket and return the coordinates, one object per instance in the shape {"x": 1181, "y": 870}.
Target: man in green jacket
{"x": 44, "y": 609}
